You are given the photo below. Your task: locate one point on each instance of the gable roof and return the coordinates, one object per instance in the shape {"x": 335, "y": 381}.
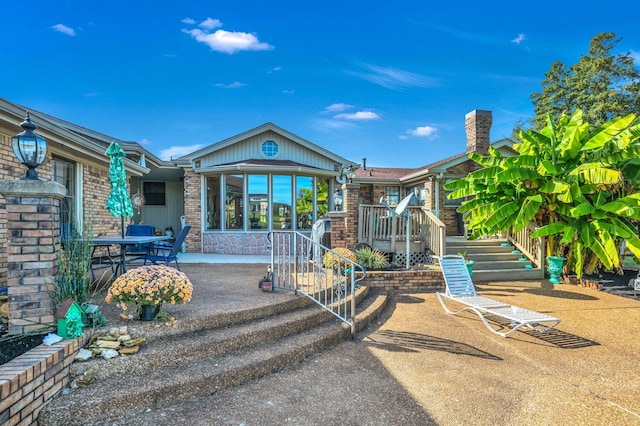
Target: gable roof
{"x": 256, "y": 131}
{"x": 390, "y": 175}
{"x": 74, "y": 138}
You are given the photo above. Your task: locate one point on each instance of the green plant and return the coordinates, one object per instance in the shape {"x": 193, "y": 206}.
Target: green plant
{"x": 464, "y": 255}
{"x": 74, "y": 268}
{"x": 371, "y": 258}
{"x": 580, "y": 186}
{"x": 331, "y": 260}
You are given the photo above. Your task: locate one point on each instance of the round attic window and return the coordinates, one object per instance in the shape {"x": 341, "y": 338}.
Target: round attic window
{"x": 269, "y": 149}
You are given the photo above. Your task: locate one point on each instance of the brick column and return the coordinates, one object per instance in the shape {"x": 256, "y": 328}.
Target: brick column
{"x": 33, "y": 227}
{"x": 193, "y": 210}
{"x": 344, "y": 224}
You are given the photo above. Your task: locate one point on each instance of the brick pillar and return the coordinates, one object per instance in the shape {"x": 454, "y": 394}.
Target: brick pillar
{"x": 193, "y": 210}
{"x": 33, "y": 226}
{"x": 344, "y": 224}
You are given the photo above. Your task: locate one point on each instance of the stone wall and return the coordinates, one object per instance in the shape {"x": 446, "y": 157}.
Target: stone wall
{"x": 256, "y": 243}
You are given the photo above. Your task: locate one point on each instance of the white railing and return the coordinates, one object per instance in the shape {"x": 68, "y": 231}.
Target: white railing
{"x": 531, "y": 247}
{"x": 297, "y": 265}
{"x": 435, "y": 233}
{"x": 380, "y": 229}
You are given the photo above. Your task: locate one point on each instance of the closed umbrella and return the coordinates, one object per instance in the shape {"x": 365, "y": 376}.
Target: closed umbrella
{"x": 118, "y": 203}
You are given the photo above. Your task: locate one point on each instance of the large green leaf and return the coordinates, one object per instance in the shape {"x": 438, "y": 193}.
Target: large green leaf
{"x": 607, "y": 131}
{"x": 503, "y": 217}
{"x": 550, "y": 229}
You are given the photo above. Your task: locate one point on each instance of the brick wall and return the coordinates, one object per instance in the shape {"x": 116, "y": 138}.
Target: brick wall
{"x": 421, "y": 279}
{"x": 192, "y": 210}
{"x": 29, "y": 381}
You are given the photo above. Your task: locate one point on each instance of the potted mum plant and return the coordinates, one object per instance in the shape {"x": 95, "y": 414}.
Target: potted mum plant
{"x": 147, "y": 288}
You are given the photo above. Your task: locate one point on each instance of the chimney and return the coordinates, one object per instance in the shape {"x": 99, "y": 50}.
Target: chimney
{"x": 477, "y": 123}
{"x": 364, "y": 164}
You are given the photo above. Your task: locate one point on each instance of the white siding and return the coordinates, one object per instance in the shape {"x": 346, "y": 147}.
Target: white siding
{"x": 161, "y": 217}
{"x": 252, "y": 149}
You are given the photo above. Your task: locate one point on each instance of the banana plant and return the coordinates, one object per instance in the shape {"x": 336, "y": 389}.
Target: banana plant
{"x": 578, "y": 185}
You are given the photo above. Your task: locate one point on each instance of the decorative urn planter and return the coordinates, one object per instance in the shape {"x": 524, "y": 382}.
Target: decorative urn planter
{"x": 470, "y": 264}
{"x": 554, "y": 268}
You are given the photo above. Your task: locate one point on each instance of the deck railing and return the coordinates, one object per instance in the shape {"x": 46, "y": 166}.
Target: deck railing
{"x": 381, "y": 229}
{"x": 297, "y": 265}
{"x": 531, "y": 247}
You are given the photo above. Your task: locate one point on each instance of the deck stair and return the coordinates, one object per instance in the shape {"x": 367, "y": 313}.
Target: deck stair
{"x": 495, "y": 259}
{"x": 220, "y": 351}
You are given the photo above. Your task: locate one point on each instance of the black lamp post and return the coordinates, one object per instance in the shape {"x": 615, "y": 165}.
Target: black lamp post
{"x": 29, "y": 148}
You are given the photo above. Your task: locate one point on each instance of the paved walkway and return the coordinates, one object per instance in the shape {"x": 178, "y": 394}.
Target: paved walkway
{"x": 418, "y": 365}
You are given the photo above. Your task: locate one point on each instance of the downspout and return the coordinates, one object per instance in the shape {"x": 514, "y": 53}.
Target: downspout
{"x": 437, "y": 193}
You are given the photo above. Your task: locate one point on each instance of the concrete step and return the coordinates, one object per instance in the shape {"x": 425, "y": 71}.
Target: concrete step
{"x": 501, "y": 264}
{"x": 211, "y": 357}
{"x": 455, "y": 242}
{"x": 471, "y": 249}
{"x": 522, "y": 274}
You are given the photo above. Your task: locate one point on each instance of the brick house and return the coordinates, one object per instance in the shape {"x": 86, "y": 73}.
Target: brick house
{"x": 232, "y": 192}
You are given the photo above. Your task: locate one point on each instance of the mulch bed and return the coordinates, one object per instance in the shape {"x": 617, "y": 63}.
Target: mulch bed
{"x": 11, "y": 347}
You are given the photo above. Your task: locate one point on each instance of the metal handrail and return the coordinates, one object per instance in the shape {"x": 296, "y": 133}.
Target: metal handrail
{"x": 297, "y": 265}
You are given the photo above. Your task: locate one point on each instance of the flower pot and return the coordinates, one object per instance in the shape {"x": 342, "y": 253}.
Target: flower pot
{"x": 148, "y": 312}
{"x": 554, "y": 268}
{"x": 470, "y": 264}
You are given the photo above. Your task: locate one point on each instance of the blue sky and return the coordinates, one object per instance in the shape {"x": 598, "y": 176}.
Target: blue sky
{"x": 389, "y": 81}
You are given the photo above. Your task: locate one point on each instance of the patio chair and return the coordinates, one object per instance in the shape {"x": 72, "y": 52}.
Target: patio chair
{"x": 460, "y": 289}
{"x": 167, "y": 253}
{"x": 139, "y": 250}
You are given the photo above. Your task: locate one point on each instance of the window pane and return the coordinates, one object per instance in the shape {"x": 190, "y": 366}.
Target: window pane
{"x": 64, "y": 173}
{"x": 234, "y": 190}
{"x": 282, "y": 201}
{"x": 447, "y": 201}
{"x": 392, "y": 193}
{"x": 322, "y": 198}
{"x": 258, "y": 202}
{"x": 304, "y": 202}
{"x": 213, "y": 203}
{"x": 154, "y": 193}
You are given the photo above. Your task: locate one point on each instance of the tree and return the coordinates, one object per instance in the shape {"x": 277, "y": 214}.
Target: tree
{"x": 578, "y": 185}
{"x": 602, "y": 84}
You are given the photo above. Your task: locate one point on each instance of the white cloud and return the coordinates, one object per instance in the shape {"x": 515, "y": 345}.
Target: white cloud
{"x": 225, "y": 41}
{"x": 210, "y": 23}
{"x": 234, "y": 85}
{"x": 288, "y": 91}
{"x": 178, "y": 151}
{"x": 338, "y": 107}
{"x": 61, "y": 28}
{"x": 189, "y": 21}
{"x": 146, "y": 142}
{"x": 421, "y": 132}
{"x": 521, "y": 37}
{"x": 274, "y": 69}
{"x": 393, "y": 78}
{"x": 358, "y": 116}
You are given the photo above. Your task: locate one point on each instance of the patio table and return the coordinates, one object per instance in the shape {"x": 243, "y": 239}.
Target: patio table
{"x": 128, "y": 240}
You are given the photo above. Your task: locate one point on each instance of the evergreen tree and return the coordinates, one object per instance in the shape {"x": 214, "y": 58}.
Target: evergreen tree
{"x": 602, "y": 84}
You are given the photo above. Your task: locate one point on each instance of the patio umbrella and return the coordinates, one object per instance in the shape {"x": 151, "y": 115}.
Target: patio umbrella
{"x": 118, "y": 203}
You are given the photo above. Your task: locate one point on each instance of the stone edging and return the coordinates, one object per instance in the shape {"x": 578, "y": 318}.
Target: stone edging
{"x": 32, "y": 379}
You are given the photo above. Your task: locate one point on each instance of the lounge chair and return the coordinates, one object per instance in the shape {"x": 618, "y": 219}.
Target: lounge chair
{"x": 460, "y": 289}
{"x": 167, "y": 253}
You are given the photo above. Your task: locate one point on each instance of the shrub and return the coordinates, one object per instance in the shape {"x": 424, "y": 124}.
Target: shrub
{"x": 371, "y": 258}
{"x": 331, "y": 260}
